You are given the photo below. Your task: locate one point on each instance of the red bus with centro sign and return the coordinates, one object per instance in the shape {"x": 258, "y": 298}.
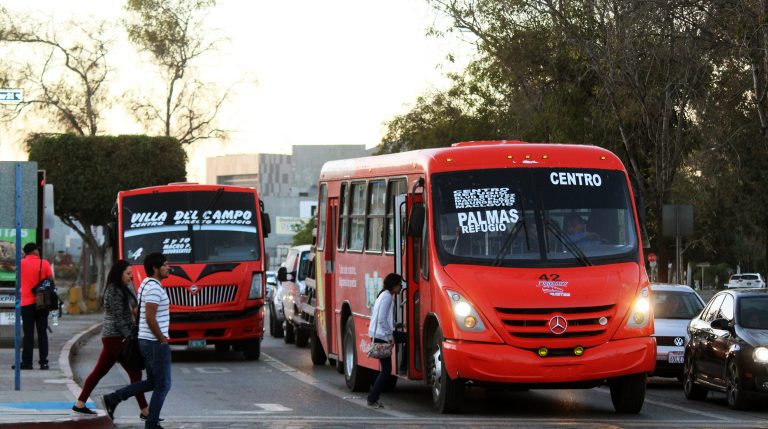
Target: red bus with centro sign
{"x": 522, "y": 266}
{"x": 213, "y": 237}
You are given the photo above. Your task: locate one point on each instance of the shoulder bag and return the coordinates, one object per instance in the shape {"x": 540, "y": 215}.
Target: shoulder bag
{"x": 379, "y": 350}
{"x": 45, "y": 292}
{"x": 130, "y": 355}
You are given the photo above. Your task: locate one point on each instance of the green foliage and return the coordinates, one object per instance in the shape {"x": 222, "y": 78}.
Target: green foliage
{"x": 88, "y": 171}
{"x": 304, "y": 235}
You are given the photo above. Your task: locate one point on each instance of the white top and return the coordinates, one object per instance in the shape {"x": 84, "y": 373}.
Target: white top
{"x": 151, "y": 291}
{"x": 382, "y": 317}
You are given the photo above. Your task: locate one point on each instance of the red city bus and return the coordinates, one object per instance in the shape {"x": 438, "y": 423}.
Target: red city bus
{"x": 213, "y": 237}
{"x": 501, "y": 286}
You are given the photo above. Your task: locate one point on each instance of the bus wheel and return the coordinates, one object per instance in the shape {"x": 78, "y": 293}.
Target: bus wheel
{"x": 252, "y": 349}
{"x": 316, "y": 349}
{"x": 222, "y": 347}
{"x": 358, "y": 378}
{"x": 628, "y": 393}
{"x": 447, "y": 394}
{"x": 287, "y": 332}
{"x": 302, "y": 337}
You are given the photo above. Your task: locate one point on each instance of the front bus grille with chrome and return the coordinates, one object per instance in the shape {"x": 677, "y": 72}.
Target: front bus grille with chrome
{"x": 534, "y": 322}
{"x": 205, "y": 295}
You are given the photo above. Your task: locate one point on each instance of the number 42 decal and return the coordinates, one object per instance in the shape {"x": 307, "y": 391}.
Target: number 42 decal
{"x": 549, "y": 277}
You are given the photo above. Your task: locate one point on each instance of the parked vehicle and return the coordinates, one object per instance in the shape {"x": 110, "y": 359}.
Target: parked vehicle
{"x": 271, "y": 284}
{"x": 674, "y": 306}
{"x": 290, "y": 294}
{"x": 746, "y": 280}
{"x": 728, "y": 348}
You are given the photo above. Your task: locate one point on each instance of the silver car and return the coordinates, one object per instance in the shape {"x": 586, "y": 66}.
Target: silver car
{"x": 673, "y": 307}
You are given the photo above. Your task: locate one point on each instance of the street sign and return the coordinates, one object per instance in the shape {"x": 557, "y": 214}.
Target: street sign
{"x": 11, "y": 96}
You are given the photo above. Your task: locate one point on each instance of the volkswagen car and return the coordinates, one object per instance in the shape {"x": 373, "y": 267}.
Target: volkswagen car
{"x": 727, "y": 350}
{"x": 673, "y": 308}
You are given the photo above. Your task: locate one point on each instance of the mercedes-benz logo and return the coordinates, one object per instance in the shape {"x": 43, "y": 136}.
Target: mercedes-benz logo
{"x": 558, "y": 325}
{"x": 679, "y": 341}
{"x": 193, "y": 289}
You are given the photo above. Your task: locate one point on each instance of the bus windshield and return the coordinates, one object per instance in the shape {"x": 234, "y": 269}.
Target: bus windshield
{"x": 191, "y": 226}
{"x": 533, "y": 217}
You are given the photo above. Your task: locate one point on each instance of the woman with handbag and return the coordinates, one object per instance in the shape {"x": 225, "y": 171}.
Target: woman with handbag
{"x": 119, "y": 310}
{"x": 381, "y": 332}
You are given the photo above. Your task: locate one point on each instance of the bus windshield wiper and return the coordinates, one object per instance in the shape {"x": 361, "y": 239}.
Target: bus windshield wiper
{"x": 520, "y": 225}
{"x": 210, "y": 206}
{"x": 569, "y": 244}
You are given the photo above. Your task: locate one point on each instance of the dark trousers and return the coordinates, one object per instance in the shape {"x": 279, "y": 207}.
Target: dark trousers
{"x": 384, "y": 373}
{"x": 33, "y": 320}
{"x": 107, "y": 359}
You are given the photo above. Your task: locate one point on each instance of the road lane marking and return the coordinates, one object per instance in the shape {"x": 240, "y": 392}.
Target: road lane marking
{"x": 679, "y": 408}
{"x": 314, "y": 382}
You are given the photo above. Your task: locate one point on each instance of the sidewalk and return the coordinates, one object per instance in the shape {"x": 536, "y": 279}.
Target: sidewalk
{"x": 46, "y": 397}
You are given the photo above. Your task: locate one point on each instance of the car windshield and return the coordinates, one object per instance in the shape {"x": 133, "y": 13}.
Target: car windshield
{"x": 533, "y": 217}
{"x": 736, "y": 277}
{"x": 753, "y": 312}
{"x": 191, "y": 227}
{"x": 675, "y": 305}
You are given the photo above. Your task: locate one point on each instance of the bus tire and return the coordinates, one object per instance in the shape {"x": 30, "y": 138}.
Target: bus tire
{"x": 221, "y": 347}
{"x": 316, "y": 349}
{"x": 628, "y": 393}
{"x": 358, "y": 378}
{"x": 288, "y": 332}
{"x": 447, "y": 394}
{"x": 302, "y": 337}
{"x": 252, "y": 349}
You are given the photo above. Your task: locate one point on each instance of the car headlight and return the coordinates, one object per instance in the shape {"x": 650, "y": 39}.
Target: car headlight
{"x": 465, "y": 315}
{"x": 760, "y": 355}
{"x": 641, "y": 310}
{"x": 255, "y": 291}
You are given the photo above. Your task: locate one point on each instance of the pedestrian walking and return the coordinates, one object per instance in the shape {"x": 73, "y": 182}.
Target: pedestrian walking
{"x": 119, "y": 311}
{"x": 382, "y": 330}
{"x": 153, "y": 343}
{"x": 33, "y": 270}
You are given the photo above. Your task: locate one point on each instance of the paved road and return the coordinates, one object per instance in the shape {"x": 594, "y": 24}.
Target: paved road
{"x": 284, "y": 389}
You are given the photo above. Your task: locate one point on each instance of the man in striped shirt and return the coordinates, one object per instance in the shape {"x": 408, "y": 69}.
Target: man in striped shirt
{"x": 153, "y": 342}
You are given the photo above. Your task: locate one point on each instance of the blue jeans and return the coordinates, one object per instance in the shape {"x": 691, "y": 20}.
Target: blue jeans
{"x": 384, "y": 373}
{"x": 157, "y": 357}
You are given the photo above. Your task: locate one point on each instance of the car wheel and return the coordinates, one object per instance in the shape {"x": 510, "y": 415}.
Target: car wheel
{"x": 447, "y": 394}
{"x": 288, "y": 336}
{"x": 302, "y": 337}
{"x": 358, "y": 378}
{"x": 690, "y": 388}
{"x": 737, "y": 397}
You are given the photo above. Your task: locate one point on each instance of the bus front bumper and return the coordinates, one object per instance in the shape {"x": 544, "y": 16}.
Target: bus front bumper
{"x": 506, "y": 364}
{"x": 216, "y": 326}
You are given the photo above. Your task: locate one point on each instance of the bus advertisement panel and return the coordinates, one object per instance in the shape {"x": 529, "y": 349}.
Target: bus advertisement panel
{"x": 522, "y": 266}
{"x": 214, "y": 241}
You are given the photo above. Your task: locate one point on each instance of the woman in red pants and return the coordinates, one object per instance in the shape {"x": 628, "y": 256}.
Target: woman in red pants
{"x": 119, "y": 310}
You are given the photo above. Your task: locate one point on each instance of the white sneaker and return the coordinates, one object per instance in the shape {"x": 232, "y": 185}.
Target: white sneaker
{"x": 375, "y": 405}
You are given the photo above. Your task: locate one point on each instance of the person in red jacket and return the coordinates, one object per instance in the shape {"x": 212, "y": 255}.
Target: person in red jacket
{"x": 33, "y": 270}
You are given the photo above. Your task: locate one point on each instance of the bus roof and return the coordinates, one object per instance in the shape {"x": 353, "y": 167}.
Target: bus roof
{"x": 184, "y": 187}
{"x": 475, "y": 155}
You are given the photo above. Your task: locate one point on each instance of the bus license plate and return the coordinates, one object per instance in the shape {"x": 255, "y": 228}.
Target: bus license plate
{"x": 196, "y": 344}
{"x": 7, "y": 318}
{"x": 675, "y": 357}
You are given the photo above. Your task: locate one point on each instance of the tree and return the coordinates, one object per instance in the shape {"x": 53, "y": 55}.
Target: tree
{"x": 88, "y": 172}
{"x": 171, "y": 32}
{"x": 304, "y": 234}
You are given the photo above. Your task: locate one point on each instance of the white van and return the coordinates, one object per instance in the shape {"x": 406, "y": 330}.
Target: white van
{"x": 287, "y": 299}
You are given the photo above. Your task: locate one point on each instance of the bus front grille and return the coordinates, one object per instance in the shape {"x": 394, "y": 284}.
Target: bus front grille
{"x": 534, "y": 322}
{"x": 205, "y": 295}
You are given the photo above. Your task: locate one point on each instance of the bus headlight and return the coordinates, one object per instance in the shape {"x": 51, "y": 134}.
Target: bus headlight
{"x": 465, "y": 315}
{"x": 760, "y": 355}
{"x": 255, "y": 291}
{"x": 641, "y": 310}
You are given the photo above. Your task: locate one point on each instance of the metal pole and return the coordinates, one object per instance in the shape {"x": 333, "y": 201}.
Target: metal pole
{"x": 17, "y": 340}
{"x": 678, "y": 269}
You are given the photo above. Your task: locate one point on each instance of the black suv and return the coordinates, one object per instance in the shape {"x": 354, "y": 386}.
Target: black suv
{"x": 727, "y": 348}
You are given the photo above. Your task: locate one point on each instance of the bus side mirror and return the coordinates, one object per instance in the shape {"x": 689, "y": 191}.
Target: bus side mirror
{"x": 112, "y": 234}
{"x": 282, "y": 274}
{"x": 266, "y": 225}
{"x": 416, "y": 221}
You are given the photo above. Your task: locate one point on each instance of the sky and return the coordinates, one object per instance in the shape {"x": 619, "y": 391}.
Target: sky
{"x": 301, "y": 71}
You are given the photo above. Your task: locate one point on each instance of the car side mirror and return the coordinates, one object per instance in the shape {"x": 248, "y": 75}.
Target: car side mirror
{"x": 721, "y": 324}
{"x": 282, "y": 274}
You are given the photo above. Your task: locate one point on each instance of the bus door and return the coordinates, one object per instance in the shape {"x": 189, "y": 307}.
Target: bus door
{"x": 409, "y": 243}
{"x": 401, "y": 301}
{"x": 329, "y": 280}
